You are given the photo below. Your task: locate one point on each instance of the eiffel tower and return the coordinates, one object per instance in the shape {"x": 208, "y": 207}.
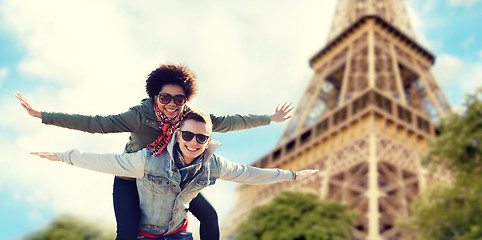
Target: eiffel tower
{"x": 363, "y": 121}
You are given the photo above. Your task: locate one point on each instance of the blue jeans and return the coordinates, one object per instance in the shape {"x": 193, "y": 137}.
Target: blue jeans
{"x": 207, "y": 216}
{"x": 182, "y": 235}
{"x": 126, "y": 208}
{"x": 127, "y": 212}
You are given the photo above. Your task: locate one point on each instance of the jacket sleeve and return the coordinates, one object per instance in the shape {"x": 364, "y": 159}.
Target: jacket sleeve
{"x": 128, "y": 121}
{"x": 246, "y": 174}
{"x": 127, "y": 165}
{"x": 239, "y": 122}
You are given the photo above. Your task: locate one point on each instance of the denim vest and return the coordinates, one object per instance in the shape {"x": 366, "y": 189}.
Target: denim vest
{"x": 160, "y": 190}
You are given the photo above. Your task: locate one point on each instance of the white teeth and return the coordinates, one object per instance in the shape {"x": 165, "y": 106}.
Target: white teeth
{"x": 191, "y": 149}
{"x": 167, "y": 110}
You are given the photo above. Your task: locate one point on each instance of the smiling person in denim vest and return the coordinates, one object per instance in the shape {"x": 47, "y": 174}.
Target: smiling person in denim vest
{"x": 152, "y": 124}
{"x": 169, "y": 180}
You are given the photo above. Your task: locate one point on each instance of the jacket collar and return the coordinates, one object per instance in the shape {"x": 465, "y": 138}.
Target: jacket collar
{"x": 149, "y": 103}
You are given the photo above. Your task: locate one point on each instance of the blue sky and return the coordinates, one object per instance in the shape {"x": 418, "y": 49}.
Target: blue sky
{"x": 92, "y": 57}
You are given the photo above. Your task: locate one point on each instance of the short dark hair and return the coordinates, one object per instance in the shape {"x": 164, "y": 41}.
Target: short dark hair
{"x": 171, "y": 74}
{"x": 198, "y": 116}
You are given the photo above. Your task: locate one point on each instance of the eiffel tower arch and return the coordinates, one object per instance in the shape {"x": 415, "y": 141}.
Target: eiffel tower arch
{"x": 363, "y": 121}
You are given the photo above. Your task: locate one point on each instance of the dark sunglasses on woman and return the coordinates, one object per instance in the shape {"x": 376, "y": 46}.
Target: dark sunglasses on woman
{"x": 166, "y": 98}
{"x": 200, "y": 138}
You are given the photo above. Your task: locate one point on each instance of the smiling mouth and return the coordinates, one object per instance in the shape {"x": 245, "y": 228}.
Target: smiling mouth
{"x": 191, "y": 149}
{"x": 170, "y": 110}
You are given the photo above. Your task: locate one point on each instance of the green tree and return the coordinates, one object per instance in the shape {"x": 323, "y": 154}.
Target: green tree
{"x": 71, "y": 228}
{"x": 299, "y": 216}
{"x": 453, "y": 211}
{"x": 459, "y": 143}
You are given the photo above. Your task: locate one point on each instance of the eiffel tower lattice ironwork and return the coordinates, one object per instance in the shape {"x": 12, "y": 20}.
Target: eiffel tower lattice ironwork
{"x": 363, "y": 121}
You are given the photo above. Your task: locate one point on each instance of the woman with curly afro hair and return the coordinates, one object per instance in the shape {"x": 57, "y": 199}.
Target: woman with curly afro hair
{"x": 151, "y": 124}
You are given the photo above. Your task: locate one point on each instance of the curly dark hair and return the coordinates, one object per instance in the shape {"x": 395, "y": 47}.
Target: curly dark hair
{"x": 171, "y": 74}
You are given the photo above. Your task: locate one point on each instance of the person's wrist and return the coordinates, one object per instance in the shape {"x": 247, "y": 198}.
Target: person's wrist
{"x": 294, "y": 175}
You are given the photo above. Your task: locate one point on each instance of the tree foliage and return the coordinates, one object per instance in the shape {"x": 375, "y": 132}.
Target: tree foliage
{"x": 71, "y": 228}
{"x": 446, "y": 212}
{"x": 299, "y": 216}
{"x": 453, "y": 211}
{"x": 459, "y": 143}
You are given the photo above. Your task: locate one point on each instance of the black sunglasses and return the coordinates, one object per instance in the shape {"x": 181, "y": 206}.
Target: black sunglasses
{"x": 200, "y": 138}
{"x": 166, "y": 98}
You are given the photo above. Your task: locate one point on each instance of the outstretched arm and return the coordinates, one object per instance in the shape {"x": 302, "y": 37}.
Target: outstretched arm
{"x": 239, "y": 122}
{"x": 127, "y": 165}
{"x": 235, "y": 172}
{"x": 129, "y": 121}
{"x": 26, "y": 104}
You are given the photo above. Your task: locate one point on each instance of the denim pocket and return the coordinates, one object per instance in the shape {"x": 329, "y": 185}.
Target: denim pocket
{"x": 205, "y": 182}
{"x": 159, "y": 184}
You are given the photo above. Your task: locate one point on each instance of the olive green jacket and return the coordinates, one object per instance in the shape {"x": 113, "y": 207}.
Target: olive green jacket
{"x": 141, "y": 122}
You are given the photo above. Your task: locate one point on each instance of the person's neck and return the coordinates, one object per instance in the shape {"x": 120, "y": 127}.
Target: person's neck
{"x": 188, "y": 161}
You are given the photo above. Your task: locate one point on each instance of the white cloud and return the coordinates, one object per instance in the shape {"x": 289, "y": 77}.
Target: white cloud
{"x": 465, "y": 3}
{"x": 97, "y": 55}
{"x": 448, "y": 69}
{"x": 41, "y": 184}
{"x": 420, "y": 24}
{"x": 480, "y": 53}
{"x": 474, "y": 78}
{"x": 3, "y": 75}
{"x": 457, "y": 77}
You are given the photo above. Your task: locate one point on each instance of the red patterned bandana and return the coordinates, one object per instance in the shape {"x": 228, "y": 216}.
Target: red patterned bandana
{"x": 167, "y": 126}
